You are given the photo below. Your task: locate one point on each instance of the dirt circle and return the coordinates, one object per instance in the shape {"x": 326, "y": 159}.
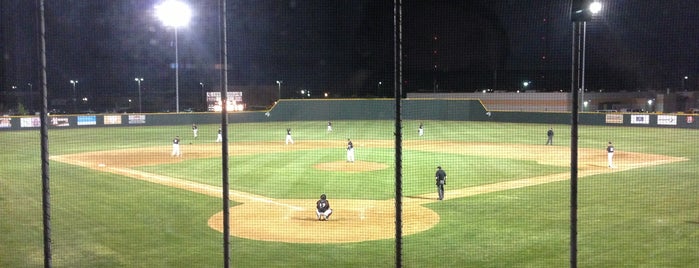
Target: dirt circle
{"x": 295, "y": 221}
{"x": 358, "y": 166}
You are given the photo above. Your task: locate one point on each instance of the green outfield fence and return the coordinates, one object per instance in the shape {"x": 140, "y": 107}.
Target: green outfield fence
{"x": 356, "y": 109}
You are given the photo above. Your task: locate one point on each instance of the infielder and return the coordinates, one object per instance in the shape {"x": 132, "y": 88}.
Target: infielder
{"x": 330, "y": 126}
{"x": 219, "y": 138}
{"x": 420, "y": 130}
{"x": 441, "y": 180}
{"x": 288, "y": 137}
{"x": 610, "y": 155}
{"x": 323, "y": 210}
{"x": 350, "y": 151}
{"x": 176, "y": 147}
{"x": 549, "y": 134}
{"x": 195, "y": 130}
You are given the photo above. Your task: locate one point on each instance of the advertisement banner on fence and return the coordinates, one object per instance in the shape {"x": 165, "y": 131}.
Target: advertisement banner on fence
{"x": 112, "y": 119}
{"x": 5, "y": 122}
{"x": 642, "y": 119}
{"x": 137, "y": 119}
{"x": 59, "y": 121}
{"x": 87, "y": 120}
{"x": 614, "y": 118}
{"x": 30, "y": 122}
{"x": 667, "y": 120}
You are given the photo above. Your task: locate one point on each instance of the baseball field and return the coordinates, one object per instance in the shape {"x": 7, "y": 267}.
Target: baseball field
{"x": 119, "y": 199}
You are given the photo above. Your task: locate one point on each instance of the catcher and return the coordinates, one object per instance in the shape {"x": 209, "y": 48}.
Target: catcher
{"x": 323, "y": 210}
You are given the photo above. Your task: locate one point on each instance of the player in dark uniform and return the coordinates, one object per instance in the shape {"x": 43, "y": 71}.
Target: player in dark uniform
{"x": 441, "y": 180}
{"x": 323, "y": 210}
{"x": 549, "y": 134}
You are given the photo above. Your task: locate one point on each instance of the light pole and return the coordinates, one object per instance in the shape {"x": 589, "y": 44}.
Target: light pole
{"x": 594, "y": 8}
{"x": 684, "y": 79}
{"x": 174, "y": 14}
{"x": 139, "y": 80}
{"x": 279, "y": 89}
{"x": 203, "y": 96}
{"x": 75, "y": 107}
{"x": 31, "y": 98}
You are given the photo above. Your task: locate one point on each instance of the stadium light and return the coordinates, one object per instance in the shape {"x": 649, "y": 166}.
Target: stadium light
{"x": 139, "y": 80}
{"x": 174, "y": 14}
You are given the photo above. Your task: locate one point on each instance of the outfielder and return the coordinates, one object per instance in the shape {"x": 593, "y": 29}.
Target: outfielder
{"x": 219, "y": 138}
{"x": 323, "y": 208}
{"x": 195, "y": 130}
{"x": 176, "y": 147}
{"x": 288, "y": 137}
{"x": 420, "y": 130}
{"x": 330, "y": 126}
{"x": 350, "y": 151}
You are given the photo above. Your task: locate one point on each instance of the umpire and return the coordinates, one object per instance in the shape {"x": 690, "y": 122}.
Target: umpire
{"x": 440, "y": 179}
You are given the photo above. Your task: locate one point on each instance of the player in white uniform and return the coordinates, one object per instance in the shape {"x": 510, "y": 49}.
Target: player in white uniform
{"x": 420, "y": 130}
{"x": 610, "y": 155}
{"x": 219, "y": 138}
{"x": 330, "y": 126}
{"x": 176, "y": 147}
{"x": 195, "y": 130}
{"x": 288, "y": 137}
{"x": 350, "y": 151}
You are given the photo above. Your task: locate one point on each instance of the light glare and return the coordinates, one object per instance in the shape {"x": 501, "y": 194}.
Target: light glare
{"x": 595, "y": 7}
{"x": 173, "y": 13}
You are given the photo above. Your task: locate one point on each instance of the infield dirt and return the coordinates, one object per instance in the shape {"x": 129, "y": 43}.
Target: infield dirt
{"x": 294, "y": 221}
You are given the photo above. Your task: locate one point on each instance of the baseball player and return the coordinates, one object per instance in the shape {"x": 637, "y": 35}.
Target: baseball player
{"x": 440, "y": 180}
{"x": 420, "y": 130}
{"x": 610, "y": 155}
{"x": 195, "y": 130}
{"x": 549, "y": 134}
{"x": 323, "y": 210}
{"x": 219, "y": 138}
{"x": 350, "y": 151}
{"x": 330, "y": 126}
{"x": 176, "y": 147}
{"x": 288, "y": 137}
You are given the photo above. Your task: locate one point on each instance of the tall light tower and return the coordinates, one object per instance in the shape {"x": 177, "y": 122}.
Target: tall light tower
{"x": 174, "y": 14}
{"x": 75, "y": 107}
{"x": 591, "y": 9}
{"x": 139, "y": 80}
{"x": 279, "y": 89}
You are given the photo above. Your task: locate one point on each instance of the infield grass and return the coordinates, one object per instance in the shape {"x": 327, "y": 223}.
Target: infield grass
{"x": 645, "y": 217}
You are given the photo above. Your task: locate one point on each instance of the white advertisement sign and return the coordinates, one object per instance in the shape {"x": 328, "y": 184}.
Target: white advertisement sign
{"x": 643, "y": 119}
{"x": 667, "y": 120}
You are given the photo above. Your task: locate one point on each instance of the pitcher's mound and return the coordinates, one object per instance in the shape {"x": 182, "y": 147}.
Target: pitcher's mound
{"x": 357, "y": 166}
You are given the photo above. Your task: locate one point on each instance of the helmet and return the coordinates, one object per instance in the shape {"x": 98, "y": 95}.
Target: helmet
{"x": 322, "y": 196}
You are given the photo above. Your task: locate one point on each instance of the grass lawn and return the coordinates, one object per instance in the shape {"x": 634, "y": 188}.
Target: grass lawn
{"x": 644, "y": 217}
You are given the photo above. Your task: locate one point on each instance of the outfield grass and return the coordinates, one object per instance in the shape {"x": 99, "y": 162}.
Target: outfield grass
{"x": 646, "y": 217}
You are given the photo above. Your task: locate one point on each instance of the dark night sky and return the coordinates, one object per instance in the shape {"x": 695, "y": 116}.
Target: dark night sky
{"x": 345, "y": 47}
